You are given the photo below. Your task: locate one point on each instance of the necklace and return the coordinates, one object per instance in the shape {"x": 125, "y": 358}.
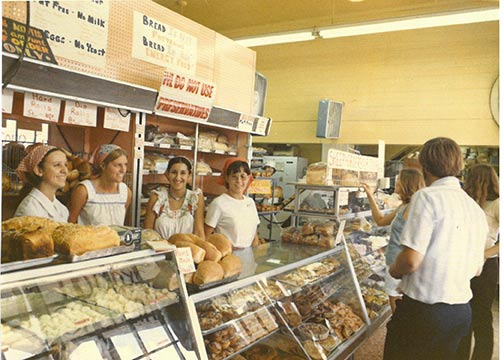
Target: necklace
{"x": 177, "y": 198}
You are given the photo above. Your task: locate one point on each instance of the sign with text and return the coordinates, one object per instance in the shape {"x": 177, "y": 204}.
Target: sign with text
{"x": 185, "y": 97}
{"x": 260, "y": 186}
{"x": 262, "y": 126}
{"x": 79, "y": 113}
{"x": 41, "y": 107}
{"x": 246, "y": 122}
{"x": 161, "y": 44}
{"x": 113, "y": 119}
{"x": 342, "y": 160}
{"x": 7, "y": 100}
{"x": 75, "y": 30}
{"x": 185, "y": 260}
{"x": 13, "y": 38}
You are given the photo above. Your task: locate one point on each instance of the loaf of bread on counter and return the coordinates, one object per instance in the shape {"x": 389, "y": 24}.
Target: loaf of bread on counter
{"x": 29, "y": 223}
{"x": 207, "y": 272}
{"x": 75, "y": 239}
{"x": 231, "y": 264}
{"x": 222, "y": 243}
{"x": 18, "y": 246}
{"x": 211, "y": 252}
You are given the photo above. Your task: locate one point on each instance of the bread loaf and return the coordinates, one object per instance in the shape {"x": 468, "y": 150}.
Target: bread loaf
{"x": 222, "y": 243}
{"x": 231, "y": 264}
{"x": 198, "y": 253}
{"x": 29, "y": 223}
{"x": 18, "y": 246}
{"x": 211, "y": 252}
{"x": 176, "y": 237}
{"x": 207, "y": 272}
{"x": 75, "y": 239}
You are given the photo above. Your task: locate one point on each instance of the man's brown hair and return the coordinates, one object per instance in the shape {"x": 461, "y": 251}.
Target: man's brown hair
{"x": 441, "y": 157}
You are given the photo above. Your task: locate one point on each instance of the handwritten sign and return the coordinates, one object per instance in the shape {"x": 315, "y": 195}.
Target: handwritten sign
{"x": 338, "y": 159}
{"x": 7, "y": 100}
{"x": 13, "y": 38}
{"x": 41, "y": 107}
{"x": 113, "y": 119}
{"x": 260, "y": 186}
{"x": 185, "y": 97}
{"x": 75, "y": 30}
{"x": 262, "y": 126}
{"x": 79, "y": 113}
{"x": 185, "y": 260}
{"x": 161, "y": 44}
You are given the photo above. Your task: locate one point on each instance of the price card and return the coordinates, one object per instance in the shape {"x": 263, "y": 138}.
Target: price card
{"x": 41, "y": 107}
{"x": 260, "y": 187}
{"x": 113, "y": 119}
{"x": 79, "y": 113}
{"x": 274, "y": 261}
{"x": 246, "y": 122}
{"x": 262, "y": 125}
{"x": 185, "y": 260}
{"x": 7, "y": 100}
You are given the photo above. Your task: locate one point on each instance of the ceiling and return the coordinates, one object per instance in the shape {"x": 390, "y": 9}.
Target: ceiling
{"x": 242, "y": 18}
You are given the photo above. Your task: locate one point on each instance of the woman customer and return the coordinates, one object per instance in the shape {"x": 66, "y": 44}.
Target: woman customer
{"x": 104, "y": 199}
{"x": 482, "y": 184}
{"x": 409, "y": 181}
{"x": 44, "y": 170}
{"x": 234, "y": 214}
{"x": 176, "y": 208}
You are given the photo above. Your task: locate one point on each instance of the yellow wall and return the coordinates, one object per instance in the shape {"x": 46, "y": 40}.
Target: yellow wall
{"x": 402, "y": 87}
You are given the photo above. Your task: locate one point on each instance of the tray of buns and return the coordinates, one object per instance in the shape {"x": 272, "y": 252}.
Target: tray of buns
{"x": 94, "y": 254}
{"x": 19, "y": 265}
{"x": 194, "y": 288}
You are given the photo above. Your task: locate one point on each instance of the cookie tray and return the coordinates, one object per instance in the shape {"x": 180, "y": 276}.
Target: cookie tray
{"x": 18, "y": 265}
{"x": 98, "y": 253}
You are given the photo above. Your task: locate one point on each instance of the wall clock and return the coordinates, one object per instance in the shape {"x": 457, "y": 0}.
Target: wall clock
{"x": 494, "y": 100}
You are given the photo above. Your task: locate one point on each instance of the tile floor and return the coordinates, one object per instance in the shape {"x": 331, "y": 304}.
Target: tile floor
{"x": 372, "y": 349}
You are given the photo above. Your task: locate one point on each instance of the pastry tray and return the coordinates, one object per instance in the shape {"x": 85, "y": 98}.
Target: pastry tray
{"x": 98, "y": 253}
{"x": 194, "y": 287}
{"x": 24, "y": 264}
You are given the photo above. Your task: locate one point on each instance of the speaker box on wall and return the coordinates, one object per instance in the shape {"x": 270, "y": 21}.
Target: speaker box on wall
{"x": 329, "y": 119}
{"x": 260, "y": 85}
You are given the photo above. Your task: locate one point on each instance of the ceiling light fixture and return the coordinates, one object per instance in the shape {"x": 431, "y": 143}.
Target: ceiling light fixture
{"x": 374, "y": 27}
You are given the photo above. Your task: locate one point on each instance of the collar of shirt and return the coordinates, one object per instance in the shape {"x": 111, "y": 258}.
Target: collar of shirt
{"x": 44, "y": 200}
{"x": 451, "y": 181}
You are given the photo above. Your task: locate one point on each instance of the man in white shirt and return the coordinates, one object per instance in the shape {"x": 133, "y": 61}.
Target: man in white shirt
{"x": 443, "y": 248}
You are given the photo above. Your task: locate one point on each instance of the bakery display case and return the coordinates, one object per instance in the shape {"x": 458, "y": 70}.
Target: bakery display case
{"x": 290, "y": 301}
{"x": 105, "y": 308}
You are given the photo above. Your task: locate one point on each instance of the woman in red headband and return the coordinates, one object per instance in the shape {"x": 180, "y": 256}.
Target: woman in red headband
{"x": 234, "y": 214}
{"x": 104, "y": 199}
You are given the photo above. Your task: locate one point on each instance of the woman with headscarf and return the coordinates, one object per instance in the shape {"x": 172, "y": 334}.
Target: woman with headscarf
{"x": 104, "y": 199}
{"x": 44, "y": 169}
{"x": 234, "y": 214}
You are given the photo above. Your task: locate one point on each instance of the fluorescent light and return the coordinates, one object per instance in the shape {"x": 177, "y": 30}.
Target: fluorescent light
{"x": 279, "y": 38}
{"x": 411, "y": 23}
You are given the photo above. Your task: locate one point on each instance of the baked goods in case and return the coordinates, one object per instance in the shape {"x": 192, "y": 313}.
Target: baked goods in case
{"x": 211, "y": 252}
{"x": 18, "y": 246}
{"x": 231, "y": 264}
{"x": 76, "y": 239}
{"x": 260, "y": 352}
{"x": 222, "y": 243}
{"x": 29, "y": 223}
{"x": 316, "y": 173}
{"x": 208, "y": 271}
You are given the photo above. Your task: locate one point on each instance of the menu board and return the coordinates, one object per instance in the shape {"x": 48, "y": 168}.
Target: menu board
{"x": 76, "y": 30}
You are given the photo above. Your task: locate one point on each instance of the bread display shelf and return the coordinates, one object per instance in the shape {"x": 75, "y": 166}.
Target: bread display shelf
{"x": 192, "y": 288}
{"x": 218, "y": 152}
{"x": 19, "y": 265}
{"x": 167, "y": 146}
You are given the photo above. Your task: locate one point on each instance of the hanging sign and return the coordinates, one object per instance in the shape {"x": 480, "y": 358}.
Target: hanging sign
{"x": 75, "y": 30}
{"x": 260, "y": 186}
{"x": 7, "y": 100}
{"x": 113, "y": 119}
{"x": 161, "y": 44}
{"x": 185, "y": 97}
{"x": 41, "y": 107}
{"x": 13, "y": 37}
{"x": 79, "y": 113}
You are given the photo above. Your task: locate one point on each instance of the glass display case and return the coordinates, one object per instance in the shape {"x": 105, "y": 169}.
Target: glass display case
{"x": 290, "y": 301}
{"x": 108, "y": 308}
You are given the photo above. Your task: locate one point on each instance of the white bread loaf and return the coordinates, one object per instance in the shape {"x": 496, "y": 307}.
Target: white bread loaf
{"x": 208, "y": 271}
{"x": 222, "y": 243}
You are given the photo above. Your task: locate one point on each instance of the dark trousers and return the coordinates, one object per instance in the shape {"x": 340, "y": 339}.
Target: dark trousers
{"x": 484, "y": 289}
{"x": 419, "y": 331}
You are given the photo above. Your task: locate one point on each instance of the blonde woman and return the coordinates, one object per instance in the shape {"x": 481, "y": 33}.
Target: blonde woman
{"x": 409, "y": 181}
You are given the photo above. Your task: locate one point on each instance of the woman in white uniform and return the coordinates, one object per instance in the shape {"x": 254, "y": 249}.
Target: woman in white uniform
{"x": 176, "y": 208}
{"x": 104, "y": 199}
{"x": 234, "y": 214}
{"x": 45, "y": 169}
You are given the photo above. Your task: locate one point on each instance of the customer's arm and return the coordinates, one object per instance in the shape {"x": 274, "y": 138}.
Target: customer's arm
{"x": 378, "y": 217}
{"x": 406, "y": 263}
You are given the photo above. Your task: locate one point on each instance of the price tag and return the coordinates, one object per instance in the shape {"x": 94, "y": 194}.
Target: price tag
{"x": 185, "y": 260}
{"x": 114, "y": 120}
{"x": 7, "y": 100}
{"x": 41, "y": 107}
{"x": 79, "y": 113}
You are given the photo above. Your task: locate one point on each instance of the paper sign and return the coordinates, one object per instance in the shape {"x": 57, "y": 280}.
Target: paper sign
{"x": 7, "y": 100}
{"x": 260, "y": 187}
{"x": 161, "y": 44}
{"x": 75, "y": 30}
{"x": 262, "y": 126}
{"x": 339, "y": 235}
{"x": 185, "y": 97}
{"x": 41, "y": 107}
{"x": 246, "y": 122}
{"x": 79, "y": 113}
{"x": 185, "y": 260}
{"x": 115, "y": 121}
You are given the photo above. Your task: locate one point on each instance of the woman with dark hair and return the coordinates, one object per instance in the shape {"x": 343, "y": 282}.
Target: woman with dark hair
{"x": 44, "y": 169}
{"x": 104, "y": 199}
{"x": 234, "y": 214}
{"x": 176, "y": 208}
{"x": 482, "y": 184}
{"x": 409, "y": 181}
